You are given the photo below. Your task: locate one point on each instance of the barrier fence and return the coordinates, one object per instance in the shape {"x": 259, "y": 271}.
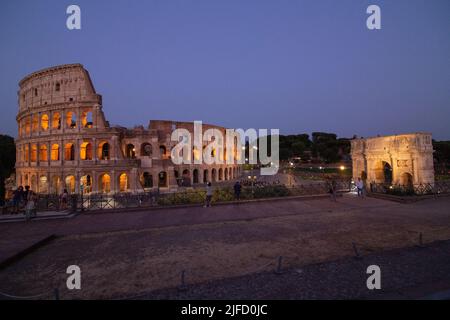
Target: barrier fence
{"x": 437, "y": 188}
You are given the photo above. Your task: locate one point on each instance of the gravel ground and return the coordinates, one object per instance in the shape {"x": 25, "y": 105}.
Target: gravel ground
{"x": 131, "y": 253}
{"x": 409, "y": 273}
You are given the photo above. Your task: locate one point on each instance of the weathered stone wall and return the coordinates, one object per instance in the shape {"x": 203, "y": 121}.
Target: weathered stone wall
{"x": 409, "y": 157}
{"x": 64, "y": 141}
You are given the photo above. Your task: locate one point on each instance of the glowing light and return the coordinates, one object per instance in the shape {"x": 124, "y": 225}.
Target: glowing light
{"x": 342, "y": 167}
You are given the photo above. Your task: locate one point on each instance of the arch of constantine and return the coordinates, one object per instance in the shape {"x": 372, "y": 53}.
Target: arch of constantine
{"x": 64, "y": 141}
{"x": 405, "y": 159}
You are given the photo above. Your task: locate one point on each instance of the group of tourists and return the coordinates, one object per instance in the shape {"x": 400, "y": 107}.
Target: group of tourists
{"x": 24, "y": 198}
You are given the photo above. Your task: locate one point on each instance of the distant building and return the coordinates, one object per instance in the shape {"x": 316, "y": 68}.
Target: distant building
{"x": 404, "y": 159}
{"x": 65, "y": 141}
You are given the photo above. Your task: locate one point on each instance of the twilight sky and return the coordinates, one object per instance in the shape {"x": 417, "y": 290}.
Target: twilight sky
{"x": 299, "y": 66}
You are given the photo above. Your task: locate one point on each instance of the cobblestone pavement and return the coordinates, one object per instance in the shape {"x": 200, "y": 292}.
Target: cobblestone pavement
{"x": 123, "y": 254}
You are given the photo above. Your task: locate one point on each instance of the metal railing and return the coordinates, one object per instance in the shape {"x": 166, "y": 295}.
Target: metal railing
{"x": 439, "y": 187}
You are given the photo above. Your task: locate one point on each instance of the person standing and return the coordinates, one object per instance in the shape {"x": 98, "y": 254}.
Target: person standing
{"x": 360, "y": 187}
{"x": 237, "y": 190}
{"x": 30, "y": 208}
{"x": 209, "y": 193}
{"x": 63, "y": 199}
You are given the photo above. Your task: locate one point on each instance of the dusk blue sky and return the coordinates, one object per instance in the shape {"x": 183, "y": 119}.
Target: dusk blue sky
{"x": 299, "y": 66}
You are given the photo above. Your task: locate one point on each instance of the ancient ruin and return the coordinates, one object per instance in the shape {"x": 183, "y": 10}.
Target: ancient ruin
{"x": 64, "y": 141}
{"x": 405, "y": 159}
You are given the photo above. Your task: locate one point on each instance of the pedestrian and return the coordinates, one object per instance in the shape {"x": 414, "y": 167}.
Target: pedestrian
{"x": 332, "y": 190}
{"x": 209, "y": 193}
{"x": 17, "y": 199}
{"x": 30, "y": 208}
{"x": 63, "y": 199}
{"x": 237, "y": 190}
{"x": 360, "y": 187}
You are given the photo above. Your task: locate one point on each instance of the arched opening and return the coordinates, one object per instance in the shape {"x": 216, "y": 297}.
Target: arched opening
{"x": 86, "y": 151}
{"x": 205, "y": 176}
{"x": 56, "y": 184}
{"x": 57, "y": 86}
{"x": 195, "y": 175}
{"x": 35, "y": 123}
{"x": 34, "y": 183}
{"x": 70, "y": 184}
{"x": 33, "y": 153}
{"x": 124, "y": 183}
{"x": 43, "y": 184}
{"x": 146, "y": 149}
{"x": 56, "y": 121}
{"x": 213, "y": 175}
{"x": 27, "y": 126}
{"x": 85, "y": 184}
{"x": 55, "y": 152}
{"x": 220, "y": 174}
{"x": 105, "y": 183}
{"x": 130, "y": 151}
{"x": 69, "y": 152}
{"x": 103, "y": 150}
{"x": 86, "y": 119}
{"x": 147, "y": 180}
{"x": 406, "y": 180}
{"x": 178, "y": 179}
{"x": 387, "y": 173}
{"x": 44, "y": 122}
{"x": 43, "y": 152}
{"x": 71, "y": 120}
{"x": 226, "y": 173}
{"x": 162, "y": 152}
{"x": 186, "y": 178}
{"x": 162, "y": 179}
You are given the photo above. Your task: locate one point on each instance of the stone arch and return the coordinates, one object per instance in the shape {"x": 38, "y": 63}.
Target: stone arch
{"x": 104, "y": 150}
{"x": 124, "y": 182}
{"x": 86, "y": 119}
{"x": 71, "y": 120}
{"x": 162, "y": 179}
{"x": 34, "y": 153}
{"x": 69, "y": 152}
{"x": 147, "y": 180}
{"x": 43, "y": 184}
{"x": 70, "y": 183}
{"x": 86, "y": 183}
{"x": 54, "y": 154}
{"x": 35, "y": 123}
{"x": 205, "y": 176}
{"x": 56, "y": 184}
{"x": 44, "y": 122}
{"x": 163, "y": 151}
{"x": 104, "y": 183}
{"x": 220, "y": 174}
{"x": 406, "y": 180}
{"x": 86, "y": 151}
{"x": 226, "y": 173}
{"x": 186, "y": 175}
{"x": 56, "y": 121}
{"x": 195, "y": 176}
{"x": 213, "y": 175}
{"x": 43, "y": 152}
{"x": 130, "y": 151}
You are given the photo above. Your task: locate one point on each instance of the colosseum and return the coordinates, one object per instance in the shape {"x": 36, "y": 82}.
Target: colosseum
{"x": 65, "y": 141}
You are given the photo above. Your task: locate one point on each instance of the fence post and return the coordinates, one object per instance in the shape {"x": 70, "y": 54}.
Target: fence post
{"x": 183, "y": 286}
{"x": 355, "y": 249}
{"x": 278, "y": 270}
{"x": 56, "y": 292}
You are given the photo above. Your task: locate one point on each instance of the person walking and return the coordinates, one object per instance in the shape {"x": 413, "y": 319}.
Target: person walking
{"x": 209, "y": 193}
{"x": 360, "y": 187}
{"x": 64, "y": 199}
{"x": 332, "y": 186}
{"x": 237, "y": 190}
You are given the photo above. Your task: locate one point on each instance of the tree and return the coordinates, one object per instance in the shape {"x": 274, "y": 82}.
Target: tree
{"x": 7, "y": 160}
